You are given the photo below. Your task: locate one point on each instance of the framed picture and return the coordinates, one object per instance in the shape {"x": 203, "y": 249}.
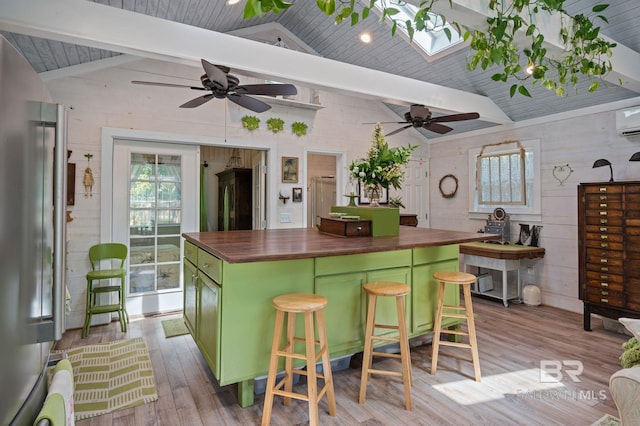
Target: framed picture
{"x": 71, "y": 184}
{"x": 363, "y": 199}
{"x": 290, "y": 170}
{"x": 296, "y": 195}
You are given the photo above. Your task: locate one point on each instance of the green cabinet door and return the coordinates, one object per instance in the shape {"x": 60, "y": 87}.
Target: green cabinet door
{"x": 425, "y": 294}
{"x": 208, "y": 329}
{"x": 344, "y": 314}
{"x": 190, "y": 274}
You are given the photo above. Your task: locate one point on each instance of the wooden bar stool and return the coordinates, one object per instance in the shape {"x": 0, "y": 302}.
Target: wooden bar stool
{"x": 462, "y": 312}
{"x": 306, "y": 304}
{"x": 399, "y": 290}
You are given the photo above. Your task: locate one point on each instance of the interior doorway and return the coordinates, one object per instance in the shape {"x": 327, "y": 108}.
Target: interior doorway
{"x": 322, "y": 186}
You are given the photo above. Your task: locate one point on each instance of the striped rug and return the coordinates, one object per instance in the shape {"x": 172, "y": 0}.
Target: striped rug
{"x": 111, "y": 376}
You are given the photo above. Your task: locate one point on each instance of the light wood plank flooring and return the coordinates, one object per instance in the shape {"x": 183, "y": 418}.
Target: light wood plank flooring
{"x": 512, "y": 343}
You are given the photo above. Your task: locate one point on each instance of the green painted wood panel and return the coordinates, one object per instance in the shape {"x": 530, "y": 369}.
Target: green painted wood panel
{"x": 210, "y": 265}
{"x": 190, "y": 274}
{"x": 208, "y": 329}
{"x": 248, "y": 315}
{"x": 191, "y": 252}
{"x": 429, "y": 255}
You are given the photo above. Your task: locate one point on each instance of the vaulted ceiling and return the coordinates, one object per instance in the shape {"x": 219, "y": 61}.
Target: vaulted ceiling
{"x": 305, "y": 28}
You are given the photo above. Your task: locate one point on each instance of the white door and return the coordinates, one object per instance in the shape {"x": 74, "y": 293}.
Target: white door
{"x": 415, "y": 190}
{"x": 155, "y": 187}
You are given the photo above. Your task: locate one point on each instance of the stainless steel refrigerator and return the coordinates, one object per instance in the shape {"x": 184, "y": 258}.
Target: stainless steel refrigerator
{"x": 32, "y": 235}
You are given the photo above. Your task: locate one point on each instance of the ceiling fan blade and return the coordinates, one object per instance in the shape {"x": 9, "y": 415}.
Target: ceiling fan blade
{"x": 399, "y": 130}
{"x": 248, "y": 102}
{"x": 215, "y": 74}
{"x": 270, "y": 89}
{"x": 438, "y": 128}
{"x": 456, "y": 117}
{"x": 419, "y": 112}
{"x": 197, "y": 101}
{"x": 152, "y": 83}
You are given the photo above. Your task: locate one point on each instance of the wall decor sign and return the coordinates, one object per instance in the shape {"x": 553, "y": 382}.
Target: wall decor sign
{"x": 290, "y": 169}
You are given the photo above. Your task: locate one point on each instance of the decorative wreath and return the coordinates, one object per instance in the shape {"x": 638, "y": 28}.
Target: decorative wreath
{"x": 450, "y": 193}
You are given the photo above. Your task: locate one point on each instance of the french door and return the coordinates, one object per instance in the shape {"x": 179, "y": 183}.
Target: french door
{"x": 155, "y": 200}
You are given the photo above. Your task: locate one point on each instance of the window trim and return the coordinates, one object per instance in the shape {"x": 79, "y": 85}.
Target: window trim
{"x": 533, "y": 210}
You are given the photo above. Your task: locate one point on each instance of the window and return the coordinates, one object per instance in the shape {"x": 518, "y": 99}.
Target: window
{"x": 431, "y": 42}
{"x": 505, "y": 175}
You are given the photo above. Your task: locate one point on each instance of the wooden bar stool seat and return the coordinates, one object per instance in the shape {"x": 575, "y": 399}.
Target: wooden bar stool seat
{"x": 461, "y": 312}
{"x": 307, "y": 304}
{"x": 399, "y": 291}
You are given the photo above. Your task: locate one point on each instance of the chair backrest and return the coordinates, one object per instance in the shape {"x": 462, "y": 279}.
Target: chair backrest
{"x": 106, "y": 251}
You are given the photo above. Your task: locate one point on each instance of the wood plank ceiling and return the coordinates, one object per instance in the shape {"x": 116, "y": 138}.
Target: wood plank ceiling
{"x": 395, "y": 55}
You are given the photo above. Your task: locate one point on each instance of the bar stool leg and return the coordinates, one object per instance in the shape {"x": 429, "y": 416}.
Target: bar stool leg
{"x": 368, "y": 347}
{"x": 437, "y": 330}
{"x": 312, "y": 380}
{"x": 288, "y": 361}
{"x": 273, "y": 368}
{"x": 404, "y": 352}
{"x": 472, "y": 331}
{"x": 326, "y": 362}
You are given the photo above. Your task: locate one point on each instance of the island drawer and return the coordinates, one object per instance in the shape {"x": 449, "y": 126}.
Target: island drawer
{"x": 191, "y": 252}
{"x": 210, "y": 265}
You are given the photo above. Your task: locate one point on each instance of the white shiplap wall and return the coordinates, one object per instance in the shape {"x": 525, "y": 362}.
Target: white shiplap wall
{"x": 577, "y": 141}
{"x": 106, "y": 98}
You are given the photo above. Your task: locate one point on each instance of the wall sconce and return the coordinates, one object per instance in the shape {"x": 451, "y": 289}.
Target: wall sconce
{"x": 635, "y": 157}
{"x": 604, "y": 162}
{"x": 284, "y": 198}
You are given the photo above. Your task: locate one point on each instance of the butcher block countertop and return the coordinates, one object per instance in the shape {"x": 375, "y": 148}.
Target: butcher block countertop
{"x": 304, "y": 243}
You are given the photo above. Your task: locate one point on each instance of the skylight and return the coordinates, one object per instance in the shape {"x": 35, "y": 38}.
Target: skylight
{"x": 433, "y": 41}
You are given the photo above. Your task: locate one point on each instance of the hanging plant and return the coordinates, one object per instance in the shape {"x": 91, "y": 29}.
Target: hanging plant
{"x": 510, "y": 44}
{"x": 275, "y": 124}
{"x": 299, "y": 128}
{"x": 250, "y": 122}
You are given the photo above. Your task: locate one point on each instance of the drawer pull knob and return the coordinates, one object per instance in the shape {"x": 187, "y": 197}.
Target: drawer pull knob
{"x": 603, "y": 197}
{"x": 603, "y": 205}
{"x": 206, "y": 265}
{"x": 604, "y": 237}
{"x": 604, "y": 300}
{"x": 603, "y": 229}
{"x": 603, "y": 189}
{"x": 604, "y": 284}
{"x": 603, "y": 221}
{"x": 603, "y": 213}
{"x": 604, "y": 269}
{"x": 603, "y": 260}
{"x": 604, "y": 244}
{"x": 605, "y": 293}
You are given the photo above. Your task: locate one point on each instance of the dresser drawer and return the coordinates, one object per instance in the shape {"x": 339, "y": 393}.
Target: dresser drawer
{"x": 604, "y": 213}
{"x": 604, "y": 257}
{"x": 603, "y": 229}
{"x": 606, "y": 297}
{"x": 606, "y": 204}
{"x": 606, "y": 220}
{"x": 602, "y": 189}
{"x": 191, "y": 252}
{"x": 604, "y": 244}
{"x": 604, "y": 267}
{"x": 603, "y": 280}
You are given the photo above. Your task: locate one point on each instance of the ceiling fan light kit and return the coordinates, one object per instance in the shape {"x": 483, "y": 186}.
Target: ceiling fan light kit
{"x": 221, "y": 84}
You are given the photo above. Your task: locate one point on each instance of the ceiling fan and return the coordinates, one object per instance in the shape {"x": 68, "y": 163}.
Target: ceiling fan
{"x": 420, "y": 116}
{"x": 221, "y": 84}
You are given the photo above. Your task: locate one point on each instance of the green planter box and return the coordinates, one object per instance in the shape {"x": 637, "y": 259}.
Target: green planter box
{"x": 385, "y": 221}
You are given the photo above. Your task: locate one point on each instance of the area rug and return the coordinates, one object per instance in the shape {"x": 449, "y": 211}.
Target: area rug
{"x": 111, "y": 376}
{"x": 607, "y": 420}
{"x": 174, "y": 327}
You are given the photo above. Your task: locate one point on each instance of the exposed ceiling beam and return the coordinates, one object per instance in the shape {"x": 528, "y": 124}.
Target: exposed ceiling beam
{"x": 95, "y": 25}
{"x": 473, "y": 13}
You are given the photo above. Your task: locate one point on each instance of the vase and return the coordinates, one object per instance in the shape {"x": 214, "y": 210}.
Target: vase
{"x": 374, "y": 192}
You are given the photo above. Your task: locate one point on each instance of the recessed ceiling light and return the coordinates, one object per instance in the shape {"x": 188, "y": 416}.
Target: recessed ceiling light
{"x": 232, "y": 2}
{"x": 365, "y": 37}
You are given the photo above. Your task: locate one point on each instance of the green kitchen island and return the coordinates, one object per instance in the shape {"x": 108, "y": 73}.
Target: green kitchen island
{"x": 231, "y": 277}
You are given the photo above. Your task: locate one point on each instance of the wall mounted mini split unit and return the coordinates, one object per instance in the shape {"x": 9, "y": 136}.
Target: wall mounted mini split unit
{"x": 628, "y": 121}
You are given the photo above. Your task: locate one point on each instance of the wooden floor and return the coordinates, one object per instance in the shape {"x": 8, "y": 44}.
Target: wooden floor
{"x": 512, "y": 343}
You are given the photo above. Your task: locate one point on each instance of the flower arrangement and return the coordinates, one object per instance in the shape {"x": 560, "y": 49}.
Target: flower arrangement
{"x": 382, "y": 166}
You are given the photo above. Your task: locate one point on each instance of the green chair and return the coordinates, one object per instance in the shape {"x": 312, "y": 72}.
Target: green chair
{"x": 103, "y": 252}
